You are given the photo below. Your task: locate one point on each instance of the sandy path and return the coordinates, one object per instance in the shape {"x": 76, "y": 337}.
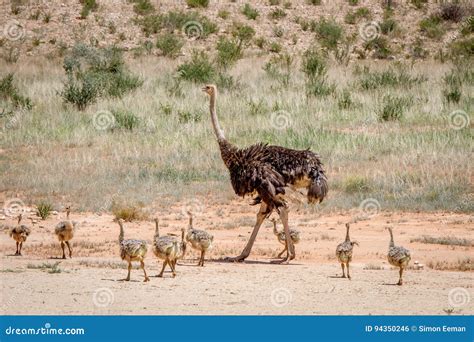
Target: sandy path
{"x": 308, "y": 286}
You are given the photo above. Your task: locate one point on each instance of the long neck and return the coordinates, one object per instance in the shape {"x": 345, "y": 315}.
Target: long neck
{"x": 347, "y": 233}
{"x": 157, "y": 228}
{"x": 190, "y": 222}
{"x": 215, "y": 122}
{"x": 67, "y": 213}
{"x": 392, "y": 244}
{"x": 19, "y": 219}
{"x": 121, "y": 232}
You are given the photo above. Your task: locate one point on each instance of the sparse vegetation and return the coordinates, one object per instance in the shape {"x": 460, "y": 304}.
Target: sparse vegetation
{"x": 169, "y": 44}
{"x": 380, "y": 47}
{"x": 9, "y": 93}
{"x": 198, "y": 3}
{"x": 432, "y": 27}
{"x": 329, "y": 33}
{"x": 250, "y": 12}
{"x": 128, "y": 212}
{"x": 393, "y": 108}
{"x": 87, "y": 7}
{"x": 198, "y": 69}
{"x": 44, "y": 209}
{"x": 446, "y": 240}
{"x": 143, "y": 7}
{"x": 315, "y": 70}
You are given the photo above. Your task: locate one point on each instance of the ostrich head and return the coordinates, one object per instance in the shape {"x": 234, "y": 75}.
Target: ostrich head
{"x": 210, "y": 89}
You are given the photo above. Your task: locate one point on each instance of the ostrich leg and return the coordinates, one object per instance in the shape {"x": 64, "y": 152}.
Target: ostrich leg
{"x": 262, "y": 214}
{"x": 289, "y": 243}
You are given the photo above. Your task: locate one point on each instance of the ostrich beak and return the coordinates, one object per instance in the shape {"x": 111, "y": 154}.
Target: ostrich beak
{"x": 204, "y": 89}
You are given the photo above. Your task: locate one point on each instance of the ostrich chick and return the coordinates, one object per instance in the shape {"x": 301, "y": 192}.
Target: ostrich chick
{"x": 19, "y": 233}
{"x": 344, "y": 252}
{"x": 168, "y": 249}
{"x": 132, "y": 250}
{"x": 281, "y": 236}
{"x": 199, "y": 239}
{"x": 398, "y": 256}
{"x": 65, "y": 232}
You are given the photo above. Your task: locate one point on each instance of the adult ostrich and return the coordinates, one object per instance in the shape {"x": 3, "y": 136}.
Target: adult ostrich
{"x": 265, "y": 171}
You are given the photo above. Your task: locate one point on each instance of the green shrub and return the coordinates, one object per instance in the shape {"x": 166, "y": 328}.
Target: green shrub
{"x": 393, "y": 108}
{"x": 417, "y": 50}
{"x": 260, "y": 42}
{"x": 188, "y": 116}
{"x": 280, "y": 68}
{"x": 278, "y": 31}
{"x": 353, "y": 2}
{"x": 44, "y": 209}
{"x": 315, "y": 70}
{"x": 93, "y": 72}
{"x": 243, "y": 33}
{"x": 463, "y": 47}
{"x": 10, "y": 93}
{"x": 277, "y": 14}
{"x": 274, "y": 2}
{"x": 80, "y": 93}
{"x": 223, "y": 14}
{"x": 87, "y": 7}
{"x": 250, "y": 12}
{"x": 177, "y": 21}
{"x": 419, "y": 4}
{"x": 392, "y": 78}
{"x": 432, "y": 27}
{"x": 169, "y": 44}
{"x": 228, "y": 52}
{"x": 274, "y": 47}
{"x": 199, "y": 69}
{"x": 314, "y": 2}
{"x": 143, "y": 7}
{"x": 355, "y": 184}
{"x": 197, "y": 3}
{"x": 344, "y": 101}
{"x": 380, "y": 47}
{"x": 125, "y": 119}
{"x": 388, "y": 25}
{"x": 329, "y": 33}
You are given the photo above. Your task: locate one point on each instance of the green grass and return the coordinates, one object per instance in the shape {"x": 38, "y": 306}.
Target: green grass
{"x": 415, "y": 163}
{"x": 44, "y": 209}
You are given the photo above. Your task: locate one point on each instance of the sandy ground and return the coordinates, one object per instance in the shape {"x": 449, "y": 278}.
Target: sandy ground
{"x": 89, "y": 283}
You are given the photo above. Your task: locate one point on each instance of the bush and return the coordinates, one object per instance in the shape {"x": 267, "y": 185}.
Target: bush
{"x": 250, "y": 12}
{"x": 391, "y": 78}
{"x": 199, "y": 69}
{"x": 277, "y": 14}
{"x": 87, "y": 7}
{"x": 380, "y": 47}
{"x": 314, "y": 2}
{"x": 80, "y": 93}
{"x": 177, "y": 21}
{"x": 419, "y": 3}
{"x": 243, "y": 34}
{"x": 344, "y": 100}
{"x": 329, "y": 32}
{"x": 355, "y": 184}
{"x": 315, "y": 70}
{"x": 463, "y": 47}
{"x": 228, "y": 52}
{"x": 452, "y": 11}
{"x": 44, "y": 209}
{"x": 274, "y": 2}
{"x": 353, "y": 2}
{"x": 275, "y": 47}
{"x": 452, "y": 86}
{"x": 388, "y": 25}
{"x": 223, "y": 14}
{"x": 169, "y": 44}
{"x": 432, "y": 27}
{"x": 9, "y": 92}
{"x": 128, "y": 213}
{"x": 93, "y": 72}
{"x": 197, "y": 3}
{"x": 143, "y": 7}
{"x": 393, "y": 108}
{"x": 125, "y": 119}
{"x": 280, "y": 68}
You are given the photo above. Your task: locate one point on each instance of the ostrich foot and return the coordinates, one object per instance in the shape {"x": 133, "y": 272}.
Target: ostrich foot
{"x": 146, "y": 279}
{"x": 239, "y": 258}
